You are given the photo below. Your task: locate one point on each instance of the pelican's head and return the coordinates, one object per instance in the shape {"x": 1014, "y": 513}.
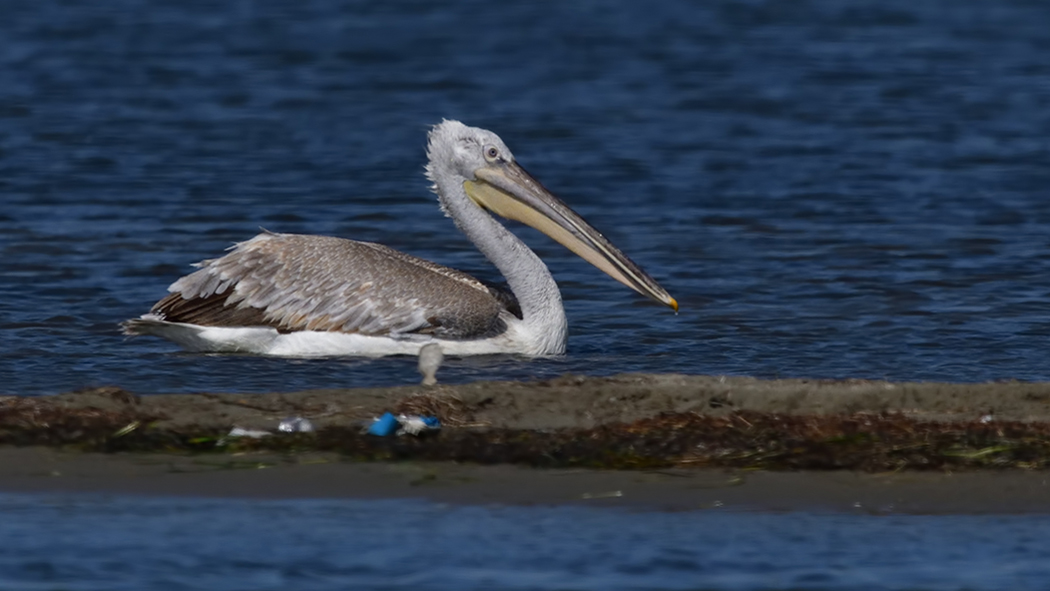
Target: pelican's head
{"x": 491, "y": 178}
{"x": 462, "y": 150}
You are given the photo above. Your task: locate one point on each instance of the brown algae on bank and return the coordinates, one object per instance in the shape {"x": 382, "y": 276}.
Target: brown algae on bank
{"x": 667, "y": 421}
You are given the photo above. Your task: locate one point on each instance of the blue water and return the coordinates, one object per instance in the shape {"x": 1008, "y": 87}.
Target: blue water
{"x": 170, "y": 544}
{"x": 829, "y": 188}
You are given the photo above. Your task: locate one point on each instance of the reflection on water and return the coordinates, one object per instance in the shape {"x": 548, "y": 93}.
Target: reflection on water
{"x": 828, "y": 189}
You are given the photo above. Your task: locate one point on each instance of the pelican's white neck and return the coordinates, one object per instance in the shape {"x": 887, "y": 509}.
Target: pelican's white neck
{"x": 527, "y": 276}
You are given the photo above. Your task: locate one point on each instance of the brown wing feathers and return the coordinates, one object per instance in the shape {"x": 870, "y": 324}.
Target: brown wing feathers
{"x": 210, "y": 311}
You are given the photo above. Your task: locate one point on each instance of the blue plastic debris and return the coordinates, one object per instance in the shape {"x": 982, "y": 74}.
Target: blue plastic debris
{"x": 384, "y": 425}
{"x": 388, "y": 424}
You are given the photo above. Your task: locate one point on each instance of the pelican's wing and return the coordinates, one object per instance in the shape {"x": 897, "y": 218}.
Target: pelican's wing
{"x": 295, "y": 282}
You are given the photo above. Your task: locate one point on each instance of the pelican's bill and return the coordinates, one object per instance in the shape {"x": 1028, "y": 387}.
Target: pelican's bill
{"x": 505, "y": 188}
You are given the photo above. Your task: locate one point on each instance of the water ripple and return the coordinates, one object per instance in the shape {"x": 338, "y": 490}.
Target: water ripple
{"x": 829, "y": 190}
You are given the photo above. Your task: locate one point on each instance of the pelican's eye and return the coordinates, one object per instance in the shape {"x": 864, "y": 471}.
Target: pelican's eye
{"x": 491, "y": 153}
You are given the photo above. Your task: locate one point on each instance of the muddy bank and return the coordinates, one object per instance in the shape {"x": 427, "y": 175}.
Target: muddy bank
{"x": 620, "y": 422}
{"x": 587, "y": 402}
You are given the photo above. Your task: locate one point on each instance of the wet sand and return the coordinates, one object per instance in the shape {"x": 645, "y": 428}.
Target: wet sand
{"x": 318, "y": 475}
{"x": 693, "y": 443}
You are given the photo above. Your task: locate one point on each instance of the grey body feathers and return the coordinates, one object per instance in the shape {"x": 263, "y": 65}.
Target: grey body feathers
{"x": 296, "y": 282}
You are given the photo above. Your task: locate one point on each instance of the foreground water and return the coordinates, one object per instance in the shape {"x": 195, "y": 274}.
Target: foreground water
{"x": 829, "y": 189}
{"x": 142, "y": 544}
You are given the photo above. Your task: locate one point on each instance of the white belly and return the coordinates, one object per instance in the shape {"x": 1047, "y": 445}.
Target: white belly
{"x": 262, "y": 340}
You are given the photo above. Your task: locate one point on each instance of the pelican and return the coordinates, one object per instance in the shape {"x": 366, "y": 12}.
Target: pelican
{"x": 303, "y": 295}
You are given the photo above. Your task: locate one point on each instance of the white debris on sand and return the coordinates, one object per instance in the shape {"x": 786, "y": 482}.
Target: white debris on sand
{"x": 253, "y": 433}
{"x": 295, "y": 425}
